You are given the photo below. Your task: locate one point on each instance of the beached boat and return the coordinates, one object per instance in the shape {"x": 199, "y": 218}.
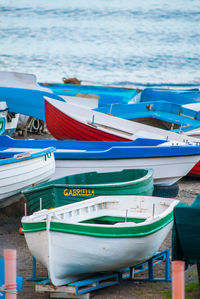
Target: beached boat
{"x": 176, "y": 96}
{"x": 26, "y": 101}
{"x": 99, "y": 234}
{"x": 169, "y": 161}
{"x": 83, "y": 186}
{"x": 23, "y": 171}
{"x": 168, "y": 116}
{"x": 70, "y": 121}
{"x": 182, "y": 119}
{"x": 105, "y": 95}
{"x": 24, "y": 95}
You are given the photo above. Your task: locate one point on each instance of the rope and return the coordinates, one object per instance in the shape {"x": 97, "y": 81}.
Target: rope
{"x": 3, "y": 289}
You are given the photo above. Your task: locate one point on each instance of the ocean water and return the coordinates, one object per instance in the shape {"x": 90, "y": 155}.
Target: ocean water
{"x": 120, "y": 43}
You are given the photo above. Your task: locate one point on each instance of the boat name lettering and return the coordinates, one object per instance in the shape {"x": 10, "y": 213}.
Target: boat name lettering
{"x": 78, "y": 192}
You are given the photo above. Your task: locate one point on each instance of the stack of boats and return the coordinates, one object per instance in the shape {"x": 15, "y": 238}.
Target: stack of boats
{"x": 96, "y": 213}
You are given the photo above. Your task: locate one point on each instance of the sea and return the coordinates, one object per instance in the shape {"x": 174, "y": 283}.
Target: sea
{"x": 130, "y": 43}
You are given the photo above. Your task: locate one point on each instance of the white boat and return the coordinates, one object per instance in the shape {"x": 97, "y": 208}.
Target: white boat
{"x": 24, "y": 170}
{"x": 75, "y": 122}
{"x": 101, "y": 234}
{"x": 196, "y": 107}
{"x": 170, "y": 161}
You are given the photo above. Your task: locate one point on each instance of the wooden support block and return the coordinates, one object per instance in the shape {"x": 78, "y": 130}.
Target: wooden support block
{"x": 60, "y": 292}
{"x": 64, "y": 295}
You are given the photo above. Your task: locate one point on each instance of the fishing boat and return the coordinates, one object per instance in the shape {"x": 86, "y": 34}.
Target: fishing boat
{"x": 176, "y": 96}
{"x": 104, "y": 233}
{"x": 70, "y": 121}
{"x": 168, "y": 116}
{"x": 26, "y": 101}
{"x": 74, "y": 188}
{"x": 169, "y": 160}
{"x": 23, "y": 171}
{"x": 105, "y": 95}
{"x": 25, "y": 96}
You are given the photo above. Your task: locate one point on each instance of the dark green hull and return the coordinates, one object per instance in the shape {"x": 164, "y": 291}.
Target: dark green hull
{"x": 74, "y": 188}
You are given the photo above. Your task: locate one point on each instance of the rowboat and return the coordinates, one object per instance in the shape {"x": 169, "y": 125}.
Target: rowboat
{"x": 176, "y": 96}
{"x": 70, "y": 121}
{"x": 168, "y": 116}
{"x": 26, "y": 101}
{"x": 23, "y": 171}
{"x": 169, "y": 160}
{"x": 104, "y": 233}
{"x": 105, "y": 95}
{"x": 182, "y": 119}
{"x": 24, "y": 95}
{"x": 82, "y": 186}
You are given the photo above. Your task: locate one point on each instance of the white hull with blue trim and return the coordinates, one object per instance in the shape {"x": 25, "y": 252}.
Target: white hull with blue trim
{"x": 169, "y": 160}
{"x": 24, "y": 170}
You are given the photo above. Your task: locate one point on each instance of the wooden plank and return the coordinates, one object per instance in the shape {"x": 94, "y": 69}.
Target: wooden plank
{"x": 60, "y": 292}
{"x": 65, "y": 295}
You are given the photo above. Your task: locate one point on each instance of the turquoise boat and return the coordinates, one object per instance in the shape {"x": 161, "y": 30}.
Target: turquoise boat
{"x": 106, "y": 95}
{"x": 74, "y": 188}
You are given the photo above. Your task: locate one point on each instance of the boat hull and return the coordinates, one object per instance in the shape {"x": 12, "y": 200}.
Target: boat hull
{"x": 83, "y": 186}
{"x": 195, "y": 171}
{"x": 71, "y": 257}
{"x": 167, "y": 170}
{"x": 170, "y": 162}
{"x": 64, "y": 127}
{"x": 17, "y": 176}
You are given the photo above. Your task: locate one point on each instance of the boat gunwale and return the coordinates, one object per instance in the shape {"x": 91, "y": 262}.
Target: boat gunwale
{"x": 33, "y": 155}
{"x": 29, "y": 222}
{"x": 146, "y": 178}
{"x": 102, "y": 230}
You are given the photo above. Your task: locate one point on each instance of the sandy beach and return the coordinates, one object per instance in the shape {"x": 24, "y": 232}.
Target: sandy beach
{"x": 10, "y": 238}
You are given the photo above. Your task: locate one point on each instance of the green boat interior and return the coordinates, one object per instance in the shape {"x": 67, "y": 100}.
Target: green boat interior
{"x": 111, "y": 220}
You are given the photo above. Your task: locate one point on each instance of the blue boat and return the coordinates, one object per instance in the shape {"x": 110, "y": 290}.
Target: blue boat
{"x": 106, "y": 94}
{"x": 31, "y": 101}
{"x": 161, "y": 114}
{"x": 26, "y": 101}
{"x": 170, "y": 95}
{"x": 169, "y": 161}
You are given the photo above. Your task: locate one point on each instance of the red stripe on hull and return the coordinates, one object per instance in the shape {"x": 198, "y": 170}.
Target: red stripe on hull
{"x": 195, "y": 171}
{"x": 63, "y": 127}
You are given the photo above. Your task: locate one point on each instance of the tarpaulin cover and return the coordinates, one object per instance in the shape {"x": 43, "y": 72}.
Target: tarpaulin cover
{"x": 186, "y": 232}
{"x": 170, "y": 95}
